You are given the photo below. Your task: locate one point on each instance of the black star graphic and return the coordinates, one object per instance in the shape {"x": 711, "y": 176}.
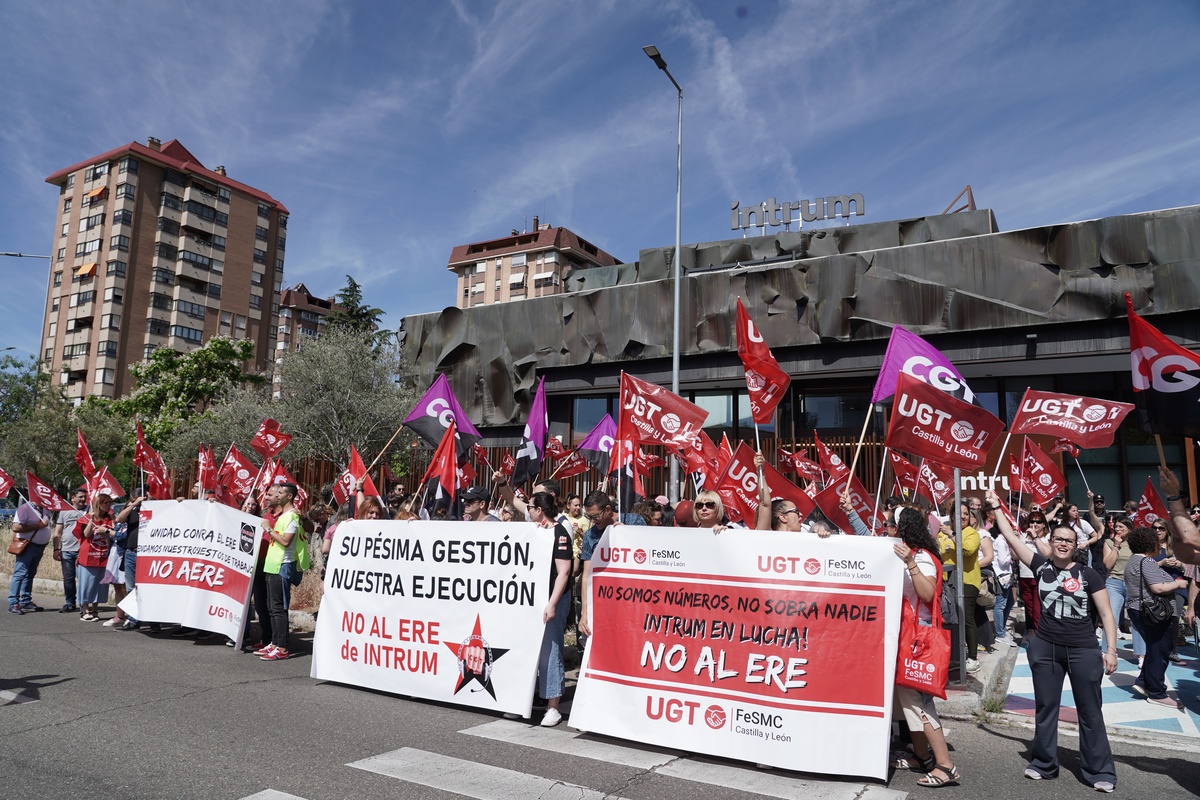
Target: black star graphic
{"x": 475, "y": 659}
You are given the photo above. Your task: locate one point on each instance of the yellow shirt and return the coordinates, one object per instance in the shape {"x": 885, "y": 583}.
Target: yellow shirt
{"x": 970, "y": 547}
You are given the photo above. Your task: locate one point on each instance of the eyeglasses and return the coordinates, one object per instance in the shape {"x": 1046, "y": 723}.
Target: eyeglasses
{"x": 1037, "y": 522}
{"x": 795, "y": 511}
{"x": 594, "y": 517}
{"x": 706, "y": 504}
{"x": 1159, "y": 527}
{"x": 1060, "y": 540}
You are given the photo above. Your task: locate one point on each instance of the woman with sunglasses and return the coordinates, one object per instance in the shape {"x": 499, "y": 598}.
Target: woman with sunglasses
{"x": 1173, "y": 567}
{"x": 709, "y": 512}
{"x": 1065, "y": 645}
{"x": 1036, "y": 537}
{"x": 93, "y": 556}
{"x": 1116, "y": 556}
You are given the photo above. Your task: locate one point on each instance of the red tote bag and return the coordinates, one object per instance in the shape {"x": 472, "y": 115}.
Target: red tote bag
{"x": 923, "y": 657}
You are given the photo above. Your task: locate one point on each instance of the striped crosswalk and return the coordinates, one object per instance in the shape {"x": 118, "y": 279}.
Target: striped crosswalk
{"x": 8, "y": 698}
{"x": 422, "y": 768}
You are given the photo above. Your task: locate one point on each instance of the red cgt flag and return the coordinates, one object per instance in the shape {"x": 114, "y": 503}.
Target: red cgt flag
{"x": 1087, "y": 421}
{"x": 1150, "y": 508}
{"x": 40, "y": 494}
{"x": 656, "y": 416}
{"x": 932, "y": 424}
{"x": 766, "y": 381}
{"x": 268, "y": 441}
{"x": 83, "y": 457}
{"x": 1043, "y": 475}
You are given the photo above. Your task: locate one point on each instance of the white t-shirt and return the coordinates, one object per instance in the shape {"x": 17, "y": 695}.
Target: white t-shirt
{"x": 929, "y": 569}
{"x": 1083, "y": 530}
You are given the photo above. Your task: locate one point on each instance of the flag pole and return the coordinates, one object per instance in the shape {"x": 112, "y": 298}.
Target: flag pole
{"x": 861, "y": 438}
{"x": 1003, "y": 450}
{"x": 958, "y": 580}
{"x": 1085, "y": 483}
{"x": 916, "y": 489}
{"x": 879, "y": 488}
{"x": 1162, "y": 459}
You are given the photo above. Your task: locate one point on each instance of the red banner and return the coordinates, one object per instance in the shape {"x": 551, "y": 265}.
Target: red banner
{"x": 83, "y": 457}
{"x": 656, "y": 416}
{"x": 1150, "y": 508}
{"x": 937, "y": 481}
{"x": 1045, "y": 479}
{"x": 932, "y": 424}
{"x": 738, "y": 487}
{"x": 40, "y": 494}
{"x": 766, "y": 382}
{"x": 194, "y": 573}
{"x": 907, "y": 474}
{"x": 830, "y": 502}
{"x": 1084, "y": 420}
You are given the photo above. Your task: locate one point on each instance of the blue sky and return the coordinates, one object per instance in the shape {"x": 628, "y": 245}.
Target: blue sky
{"x": 394, "y": 131}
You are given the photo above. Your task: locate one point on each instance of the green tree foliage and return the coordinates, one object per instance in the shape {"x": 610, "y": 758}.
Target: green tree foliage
{"x": 173, "y": 387}
{"x": 233, "y": 419}
{"x": 355, "y": 316}
{"x": 20, "y": 383}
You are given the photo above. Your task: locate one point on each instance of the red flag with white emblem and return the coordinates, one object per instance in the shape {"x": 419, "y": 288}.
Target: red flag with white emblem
{"x": 83, "y": 457}
{"x": 40, "y": 494}
{"x": 766, "y": 381}
{"x": 269, "y": 440}
{"x": 831, "y": 462}
{"x": 932, "y": 424}
{"x": 1043, "y": 476}
{"x": 654, "y": 415}
{"x": 1151, "y": 508}
{"x": 1087, "y": 421}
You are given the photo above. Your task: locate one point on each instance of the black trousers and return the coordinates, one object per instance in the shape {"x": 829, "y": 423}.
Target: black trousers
{"x": 1050, "y": 664}
{"x": 276, "y": 602}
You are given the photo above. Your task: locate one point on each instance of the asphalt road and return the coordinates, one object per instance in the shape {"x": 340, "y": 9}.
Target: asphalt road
{"x": 89, "y": 712}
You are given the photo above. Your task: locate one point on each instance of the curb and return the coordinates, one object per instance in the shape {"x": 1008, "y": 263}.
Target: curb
{"x": 300, "y": 620}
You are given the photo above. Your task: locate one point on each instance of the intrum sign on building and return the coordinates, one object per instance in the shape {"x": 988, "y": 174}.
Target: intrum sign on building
{"x": 777, "y": 214}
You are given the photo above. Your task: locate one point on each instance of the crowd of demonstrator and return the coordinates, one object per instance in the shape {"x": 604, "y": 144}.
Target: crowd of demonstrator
{"x": 1084, "y": 582}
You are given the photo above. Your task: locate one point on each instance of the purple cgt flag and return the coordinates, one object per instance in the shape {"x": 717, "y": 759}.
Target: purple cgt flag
{"x": 907, "y": 352}
{"x": 597, "y": 445}
{"x": 533, "y": 442}
{"x": 434, "y": 413}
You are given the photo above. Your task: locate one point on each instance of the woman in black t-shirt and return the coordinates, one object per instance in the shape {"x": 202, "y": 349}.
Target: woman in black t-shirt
{"x": 551, "y": 671}
{"x": 1070, "y": 595}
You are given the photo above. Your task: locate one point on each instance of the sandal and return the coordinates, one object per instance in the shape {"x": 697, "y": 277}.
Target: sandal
{"x": 934, "y": 781}
{"x": 914, "y": 763}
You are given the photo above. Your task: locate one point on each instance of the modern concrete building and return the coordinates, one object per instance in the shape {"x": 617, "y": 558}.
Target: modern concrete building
{"x": 152, "y": 249}
{"x": 522, "y": 265}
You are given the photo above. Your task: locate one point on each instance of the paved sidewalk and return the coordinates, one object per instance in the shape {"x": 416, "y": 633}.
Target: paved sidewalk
{"x": 1124, "y": 710}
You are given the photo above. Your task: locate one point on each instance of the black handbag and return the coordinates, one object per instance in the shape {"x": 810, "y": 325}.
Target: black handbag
{"x": 1157, "y": 608}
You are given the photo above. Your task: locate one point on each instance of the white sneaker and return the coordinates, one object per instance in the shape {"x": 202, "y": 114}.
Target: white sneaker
{"x": 552, "y": 718}
{"x": 972, "y": 665}
{"x": 1033, "y": 774}
{"x": 112, "y": 622}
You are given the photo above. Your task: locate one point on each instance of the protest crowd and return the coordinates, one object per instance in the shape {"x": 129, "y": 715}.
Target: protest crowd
{"x": 1068, "y": 578}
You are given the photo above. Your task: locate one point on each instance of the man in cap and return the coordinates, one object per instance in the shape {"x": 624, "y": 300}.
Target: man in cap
{"x": 475, "y": 505}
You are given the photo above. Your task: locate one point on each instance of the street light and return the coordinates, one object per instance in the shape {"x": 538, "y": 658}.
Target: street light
{"x": 657, "y": 58}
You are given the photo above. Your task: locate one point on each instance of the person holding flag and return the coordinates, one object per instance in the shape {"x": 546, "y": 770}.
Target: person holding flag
{"x": 93, "y": 557}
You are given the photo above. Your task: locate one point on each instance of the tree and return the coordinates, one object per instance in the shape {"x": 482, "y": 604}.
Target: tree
{"x": 356, "y": 317}
{"x": 338, "y": 391}
{"x": 21, "y": 380}
{"x": 173, "y": 387}
{"x": 232, "y": 419}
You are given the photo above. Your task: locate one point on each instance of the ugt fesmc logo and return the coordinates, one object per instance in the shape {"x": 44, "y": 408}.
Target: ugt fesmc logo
{"x": 673, "y": 709}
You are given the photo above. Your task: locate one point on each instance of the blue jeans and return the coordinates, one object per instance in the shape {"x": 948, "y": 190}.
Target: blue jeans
{"x": 70, "y": 588}
{"x": 1118, "y": 594}
{"x": 131, "y": 574}
{"x": 24, "y": 568}
{"x": 551, "y": 671}
{"x": 1004, "y": 604}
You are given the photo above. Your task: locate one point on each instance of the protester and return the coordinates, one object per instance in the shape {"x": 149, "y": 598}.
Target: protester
{"x": 131, "y": 517}
{"x": 506, "y": 512}
{"x": 1002, "y": 568}
{"x": 370, "y": 508}
{"x": 1069, "y": 517}
{"x": 685, "y": 514}
{"x": 66, "y": 547}
{"x": 95, "y": 540}
{"x": 598, "y": 508}
{"x": 1037, "y": 538}
{"x": 475, "y": 505}
{"x": 1065, "y": 645}
{"x": 1144, "y": 580}
{"x": 709, "y": 512}
{"x": 971, "y": 579}
{"x": 1115, "y": 557}
{"x": 114, "y": 572}
{"x": 31, "y": 524}
{"x": 857, "y": 526}
{"x": 1185, "y": 538}
{"x": 282, "y": 554}
{"x": 1171, "y": 565}
{"x": 922, "y": 574}
{"x": 551, "y": 670}
{"x": 785, "y": 516}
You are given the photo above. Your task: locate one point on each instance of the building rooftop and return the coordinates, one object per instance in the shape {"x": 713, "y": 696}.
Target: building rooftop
{"x": 173, "y": 155}
{"x": 542, "y": 238}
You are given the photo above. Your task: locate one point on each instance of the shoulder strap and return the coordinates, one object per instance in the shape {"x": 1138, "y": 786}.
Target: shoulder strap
{"x": 935, "y": 606}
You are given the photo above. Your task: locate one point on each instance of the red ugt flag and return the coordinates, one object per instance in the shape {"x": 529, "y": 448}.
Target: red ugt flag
{"x": 83, "y": 457}
{"x": 1044, "y": 478}
{"x": 236, "y": 473}
{"x": 738, "y": 487}
{"x": 656, "y": 416}
{"x": 932, "y": 424}
{"x": 1062, "y": 445}
{"x": 103, "y": 483}
{"x": 907, "y": 474}
{"x": 343, "y": 490}
{"x": 831, "y": 462}
{"x": 766, "y": 382}
{"x": 40, "y": 494}
{"x": 6, "y": 483}
{"x": 1087, "y": 421}
{"x": 1150, "y": 507}
{"x": 206, "y": 469}
{"x": 269, "y": 440}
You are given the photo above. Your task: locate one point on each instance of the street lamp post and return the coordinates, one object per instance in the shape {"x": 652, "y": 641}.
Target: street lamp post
{"x": 657, "y": 58}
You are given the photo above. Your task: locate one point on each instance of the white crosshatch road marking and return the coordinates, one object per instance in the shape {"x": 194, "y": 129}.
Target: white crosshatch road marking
{"x": 8, "y": 698}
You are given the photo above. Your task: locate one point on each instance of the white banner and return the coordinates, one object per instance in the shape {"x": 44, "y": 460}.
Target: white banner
{"x": 775, "y": 648}
{"x": 195, "y": 565}
{"x": 448, "y": 611}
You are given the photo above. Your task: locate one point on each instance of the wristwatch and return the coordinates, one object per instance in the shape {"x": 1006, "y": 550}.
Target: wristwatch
{"x": 1174, "y": 497}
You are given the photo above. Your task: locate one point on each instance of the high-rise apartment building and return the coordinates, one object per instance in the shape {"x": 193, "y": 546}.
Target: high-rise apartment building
{"x": 521, "y": 265}
{"x": 301, "y": 317}
{"x": 152, "y": 249}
